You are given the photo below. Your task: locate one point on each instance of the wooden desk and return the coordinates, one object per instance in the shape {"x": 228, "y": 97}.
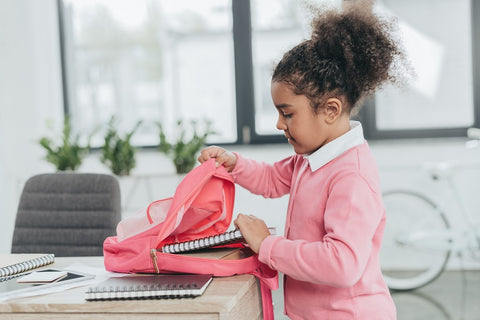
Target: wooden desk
{"x": 235, "y": 297}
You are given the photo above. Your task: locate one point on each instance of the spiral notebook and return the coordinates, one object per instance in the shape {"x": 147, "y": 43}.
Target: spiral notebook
{"x": 228, "y": 237}
{"x": 17, "y": 263}
{"x": 197, "y": 244}
{"x": 155, "y": 286}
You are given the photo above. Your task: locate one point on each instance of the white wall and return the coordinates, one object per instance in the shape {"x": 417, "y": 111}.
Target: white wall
{"x": 30, "y": 94}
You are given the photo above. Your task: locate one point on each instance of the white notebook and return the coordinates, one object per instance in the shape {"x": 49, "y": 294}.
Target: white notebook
{"x": 154, "y": 286}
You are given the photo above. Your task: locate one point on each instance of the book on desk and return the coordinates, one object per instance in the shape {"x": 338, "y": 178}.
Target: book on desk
{"x": 151, "y": 286}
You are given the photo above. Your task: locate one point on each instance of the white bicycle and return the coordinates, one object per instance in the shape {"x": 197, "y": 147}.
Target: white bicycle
{"x": 419, "y": 239}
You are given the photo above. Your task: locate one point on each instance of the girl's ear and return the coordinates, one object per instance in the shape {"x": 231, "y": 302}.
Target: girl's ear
{"x": 333, "y": 109}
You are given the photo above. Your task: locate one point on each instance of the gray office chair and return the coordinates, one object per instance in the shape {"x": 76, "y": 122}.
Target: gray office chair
{"x": 68, "y": 214}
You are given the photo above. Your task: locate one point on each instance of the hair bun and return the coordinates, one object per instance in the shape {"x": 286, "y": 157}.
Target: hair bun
{"x": 351, "y": 53}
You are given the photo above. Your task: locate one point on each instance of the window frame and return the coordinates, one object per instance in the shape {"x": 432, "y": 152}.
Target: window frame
{"x": 244, "y": 84}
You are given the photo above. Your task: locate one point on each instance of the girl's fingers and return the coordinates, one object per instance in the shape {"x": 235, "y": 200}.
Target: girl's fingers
{"x": 222, "y": 157}
{"x": 209, "y": 152}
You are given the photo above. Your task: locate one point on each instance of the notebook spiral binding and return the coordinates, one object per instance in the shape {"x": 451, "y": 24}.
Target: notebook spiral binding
{"x": 26, "y": 265}
{"x": 142, "y": 291}
{"x": 216, "y": 240}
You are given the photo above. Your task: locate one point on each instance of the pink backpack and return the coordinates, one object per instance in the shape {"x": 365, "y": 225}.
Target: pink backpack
{"x": 202, "y": 206}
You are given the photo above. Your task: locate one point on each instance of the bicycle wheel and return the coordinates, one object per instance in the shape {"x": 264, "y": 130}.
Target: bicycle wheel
{"x": 416, "y": 241}
{"x": 425, "y": 306}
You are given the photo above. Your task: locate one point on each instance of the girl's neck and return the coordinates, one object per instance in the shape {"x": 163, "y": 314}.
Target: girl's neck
{"x": 340, "y": 127}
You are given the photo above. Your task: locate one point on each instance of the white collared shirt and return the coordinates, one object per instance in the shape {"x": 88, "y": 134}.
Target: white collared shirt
{"x": 334, "y": 148}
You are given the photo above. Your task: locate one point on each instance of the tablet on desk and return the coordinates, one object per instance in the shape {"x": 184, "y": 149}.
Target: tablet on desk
{"x": 10, "y": 287}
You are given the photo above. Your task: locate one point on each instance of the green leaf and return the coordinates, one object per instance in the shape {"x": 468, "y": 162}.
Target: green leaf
{"x": 67, "y": 155}
{"x": 184, "y": 148}
{"x": 117, "y": 152}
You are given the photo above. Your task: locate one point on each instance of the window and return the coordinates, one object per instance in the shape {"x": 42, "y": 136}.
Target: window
{"x": 160, "y": 61}
{"x": 277, "y": 26}
{"x": 440, "y": 100}
{"x": 275, "y": 29}
{"x": 155, "y": 61}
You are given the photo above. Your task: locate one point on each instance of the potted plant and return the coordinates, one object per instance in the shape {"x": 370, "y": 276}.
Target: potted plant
{"x": 190, "y": 138}
{"x": 69, "y": 153}
{"x": 117, "y": 152}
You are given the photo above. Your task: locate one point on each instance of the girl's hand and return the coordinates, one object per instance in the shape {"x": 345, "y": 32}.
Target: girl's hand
{"x": 222, "y": 157}
{"x": 253, "y": 229}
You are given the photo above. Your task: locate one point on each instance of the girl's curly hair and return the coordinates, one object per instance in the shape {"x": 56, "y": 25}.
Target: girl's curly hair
{"x": 351, "y": 53}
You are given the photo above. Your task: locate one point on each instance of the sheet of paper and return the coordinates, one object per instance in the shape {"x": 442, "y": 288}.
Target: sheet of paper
{"x": 42, "y": 277}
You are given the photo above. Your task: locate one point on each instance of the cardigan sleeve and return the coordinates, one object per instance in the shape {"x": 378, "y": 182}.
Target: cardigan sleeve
{"x": 270, "y": 181}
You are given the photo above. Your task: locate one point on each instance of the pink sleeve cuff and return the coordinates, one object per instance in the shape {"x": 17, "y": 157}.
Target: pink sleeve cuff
{"x": 265, "y": 253}
{"x": 238, "y": 166}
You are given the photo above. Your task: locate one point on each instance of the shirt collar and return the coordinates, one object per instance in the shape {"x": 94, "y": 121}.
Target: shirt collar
{"x": 334, "y": 148}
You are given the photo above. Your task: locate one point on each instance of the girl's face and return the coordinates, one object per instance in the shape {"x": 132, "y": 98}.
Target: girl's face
{"x": 305, "y": 130}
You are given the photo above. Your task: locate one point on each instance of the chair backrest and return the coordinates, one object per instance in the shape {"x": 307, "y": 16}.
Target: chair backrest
{"x": 68, "y": 214}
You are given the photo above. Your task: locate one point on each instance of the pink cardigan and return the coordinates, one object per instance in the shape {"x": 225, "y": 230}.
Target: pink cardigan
{"x": 333, "y": 232}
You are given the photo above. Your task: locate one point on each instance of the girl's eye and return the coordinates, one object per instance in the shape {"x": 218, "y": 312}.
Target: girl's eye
{"x": 287, "y": 115}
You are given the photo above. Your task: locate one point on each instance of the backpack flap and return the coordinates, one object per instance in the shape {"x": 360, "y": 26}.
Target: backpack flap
{"x": 201, "y": 207}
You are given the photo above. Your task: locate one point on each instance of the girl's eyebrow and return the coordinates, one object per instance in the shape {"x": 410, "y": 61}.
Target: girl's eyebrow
{"x": 283, "y": 106}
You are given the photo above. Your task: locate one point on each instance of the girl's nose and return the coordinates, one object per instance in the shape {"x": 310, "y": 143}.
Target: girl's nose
{"x": 281, "y": 124}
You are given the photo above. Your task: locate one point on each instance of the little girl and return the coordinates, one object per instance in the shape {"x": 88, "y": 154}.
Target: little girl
{"x": 329, "y": 253}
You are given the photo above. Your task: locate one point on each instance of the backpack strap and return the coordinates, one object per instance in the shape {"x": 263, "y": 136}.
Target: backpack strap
{"x": 267, "y": 303}
{"x": 268, "y": 281}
